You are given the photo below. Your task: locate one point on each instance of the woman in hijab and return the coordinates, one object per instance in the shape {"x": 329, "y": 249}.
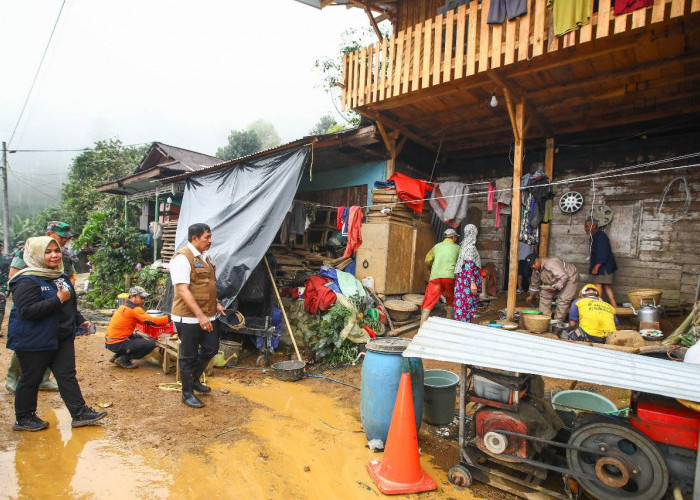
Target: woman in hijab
{"x": 41, "y": 330}
{"x": 467, "y": 276}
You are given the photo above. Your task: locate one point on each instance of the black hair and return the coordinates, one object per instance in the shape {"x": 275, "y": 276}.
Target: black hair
{"x": 198, "y": 230}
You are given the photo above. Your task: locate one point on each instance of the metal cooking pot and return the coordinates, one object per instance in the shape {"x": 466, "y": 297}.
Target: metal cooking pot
{"x": 648, "y": 312}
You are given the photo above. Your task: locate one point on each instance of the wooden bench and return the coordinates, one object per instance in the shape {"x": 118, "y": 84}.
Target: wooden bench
{"x": 169, "y": 348}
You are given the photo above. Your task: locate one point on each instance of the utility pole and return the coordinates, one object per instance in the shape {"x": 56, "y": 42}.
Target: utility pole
{"x": 5, "y": 201}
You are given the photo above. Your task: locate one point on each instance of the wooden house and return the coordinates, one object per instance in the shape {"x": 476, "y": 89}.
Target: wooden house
{"x": 617, "y": 90}
{"x": 159, "y": 203}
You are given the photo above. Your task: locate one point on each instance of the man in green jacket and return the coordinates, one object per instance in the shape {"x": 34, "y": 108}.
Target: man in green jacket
{"x": 441, "y": 261}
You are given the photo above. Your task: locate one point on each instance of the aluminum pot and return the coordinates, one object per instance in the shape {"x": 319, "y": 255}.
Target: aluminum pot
{"x": 648, "y": 312}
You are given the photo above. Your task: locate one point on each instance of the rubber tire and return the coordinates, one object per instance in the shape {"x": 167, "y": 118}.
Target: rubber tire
{"x": 460, "y": 476}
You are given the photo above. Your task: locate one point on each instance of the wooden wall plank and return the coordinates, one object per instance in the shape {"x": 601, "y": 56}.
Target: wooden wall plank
{"x": 677, "y": 8}
{"x": 461, "y": 27}
{"x": 449, "y": 37}
{"x": 496, "y": 45}
{"x": 695, "y": 6}
{"x": 391, "y": 61}
{"x": 417, "y": 46}
{"x": 371, "y": 72}
{"x": 586, "y": 31}
{"x": 639, "y": 18}
{"x": 406, "y": 62}
{"x": 363, "y": 72}
{"x": 509, "y": 57}
{"x": 471, "y": 38}
{"x": 354, "y": 73}
{"x": 603, "y": 28}
{"x": 657, "y": 11}
{"x": 399, "y": 60}
{"x": 437, "y": 50}
{"x": 540, "y": 12}
{"x": 427, "y": 52}
{"x": 524, "y": 34}
{"x": 485, "y": 34}
{"x": 346, "y": 81}
{"x": 620, "y": 23}
{"x": 382, "y": 70}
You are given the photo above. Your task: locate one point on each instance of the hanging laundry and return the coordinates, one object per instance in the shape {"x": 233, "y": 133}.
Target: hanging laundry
{"x": 297, "y": 223}
{"x": 626, "y": 6}
{"x": 569, "y": 15}
{"x": 450, "y": 202}
{"x": 504, "y": 190}
{"x": 384, "y": 185}
{"x": 339, "y": 218}
{"x": 502, "y": 9}
{"x": 344, "y": 218}
{"x": 549, "y": 206}
{"x": 411, "y": 190}
{"x": 354, "y": 230}
{"x": 490, "y": 196}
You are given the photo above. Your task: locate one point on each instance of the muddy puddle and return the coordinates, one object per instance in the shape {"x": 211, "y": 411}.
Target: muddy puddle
{"x": 298, "y": 443}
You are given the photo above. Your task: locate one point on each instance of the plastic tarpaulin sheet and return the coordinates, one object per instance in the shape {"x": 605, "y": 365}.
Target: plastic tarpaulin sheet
{"x": 244, "y": 205}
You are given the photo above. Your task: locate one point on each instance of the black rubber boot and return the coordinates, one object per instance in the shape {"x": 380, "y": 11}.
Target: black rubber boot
{"x": 188, "y": 396}
{"x": 199, "y": 368}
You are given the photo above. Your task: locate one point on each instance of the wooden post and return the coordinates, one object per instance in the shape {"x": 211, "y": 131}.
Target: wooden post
{"x": 549, "y": 172}
{"x": 515, "y": 206}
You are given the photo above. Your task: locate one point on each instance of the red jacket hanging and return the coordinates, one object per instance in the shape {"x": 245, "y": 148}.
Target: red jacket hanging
{"x": 626, "y": 6}
{"x": 354, "y": 230}
{"x": 411, "y": 190}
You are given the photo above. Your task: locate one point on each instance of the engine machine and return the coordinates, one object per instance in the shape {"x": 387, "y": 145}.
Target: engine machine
{"x": 515, "y": 438}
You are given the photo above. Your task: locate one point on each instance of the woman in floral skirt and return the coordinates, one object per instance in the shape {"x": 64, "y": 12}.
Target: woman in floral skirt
{"x": 467, "y": 276}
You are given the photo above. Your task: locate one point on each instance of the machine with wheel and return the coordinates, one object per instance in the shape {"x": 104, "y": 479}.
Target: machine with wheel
{"x": 256, "y": 303}
{"x": 515, "y": 440}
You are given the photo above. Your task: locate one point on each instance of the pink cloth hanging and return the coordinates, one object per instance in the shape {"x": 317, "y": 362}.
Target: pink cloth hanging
{"x": 491, "y": 196}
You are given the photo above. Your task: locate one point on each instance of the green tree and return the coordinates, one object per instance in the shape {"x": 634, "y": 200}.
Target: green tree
{"x": 331, "y": 68}
{"x": 269, "y": 138}
{"x": 323, "y": 125}
{"x": 118, "y": 249}
{"x": 258, "y": 136}
{"x": 107, "y": 160}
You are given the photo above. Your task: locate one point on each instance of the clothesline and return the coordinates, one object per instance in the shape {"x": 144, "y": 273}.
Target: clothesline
{"x": 575, "y": 180}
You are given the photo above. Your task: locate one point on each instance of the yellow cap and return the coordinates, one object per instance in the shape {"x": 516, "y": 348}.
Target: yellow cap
{"x": 586, "y": 288}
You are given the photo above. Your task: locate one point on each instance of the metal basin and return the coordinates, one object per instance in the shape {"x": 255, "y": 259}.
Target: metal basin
{"x": 289, "y": 371}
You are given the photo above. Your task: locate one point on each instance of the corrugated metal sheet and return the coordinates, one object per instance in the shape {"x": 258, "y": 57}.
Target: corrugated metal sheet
{"x": 447, "y": 340}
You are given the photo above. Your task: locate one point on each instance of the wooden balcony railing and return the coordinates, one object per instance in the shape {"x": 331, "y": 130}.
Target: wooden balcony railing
{"x": 462, "y": 44}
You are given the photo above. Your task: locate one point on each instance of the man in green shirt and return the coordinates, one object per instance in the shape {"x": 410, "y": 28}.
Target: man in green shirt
{"x": 441, "y": 261}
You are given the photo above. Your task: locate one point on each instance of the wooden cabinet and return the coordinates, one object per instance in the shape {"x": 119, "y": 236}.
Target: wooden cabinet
{"x": 393, "y": 254}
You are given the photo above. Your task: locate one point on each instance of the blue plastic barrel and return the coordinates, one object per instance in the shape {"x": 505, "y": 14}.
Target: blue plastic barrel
{"x": 381, "y": 374}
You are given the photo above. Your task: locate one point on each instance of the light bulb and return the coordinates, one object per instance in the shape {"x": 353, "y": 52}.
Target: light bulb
{"x": 494, "y": 101}
{"x": 169, "y": 200}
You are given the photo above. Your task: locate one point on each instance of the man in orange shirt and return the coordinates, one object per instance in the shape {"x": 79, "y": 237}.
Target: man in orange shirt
{"x": 120, "y": 338}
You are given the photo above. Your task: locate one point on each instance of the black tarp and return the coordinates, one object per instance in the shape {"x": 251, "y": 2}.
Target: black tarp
{"x": 245, "y": 205}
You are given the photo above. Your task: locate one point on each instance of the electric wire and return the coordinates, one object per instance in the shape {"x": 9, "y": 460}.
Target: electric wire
{"x": 36, "y": 75}
{"x": 609, "y": 174}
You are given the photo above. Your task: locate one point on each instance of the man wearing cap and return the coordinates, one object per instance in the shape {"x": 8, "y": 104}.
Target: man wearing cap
{"x": 120, "y": 338}
{"x": 195, "y": 305}
{"x": 554, "y": 279}
{"x": 59, "y": 231}
{"x": 592, "y": 318}
{"x": 441, "y": 261}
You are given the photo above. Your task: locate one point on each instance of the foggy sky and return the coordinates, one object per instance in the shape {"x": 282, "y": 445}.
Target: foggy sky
{"x": 181, "y": 72}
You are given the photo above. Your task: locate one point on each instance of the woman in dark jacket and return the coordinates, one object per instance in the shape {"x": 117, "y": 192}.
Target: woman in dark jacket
{"x": 41, "y": 332}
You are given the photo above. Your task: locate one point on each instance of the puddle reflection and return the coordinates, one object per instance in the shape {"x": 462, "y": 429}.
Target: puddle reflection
{"x": 62, "y": 462}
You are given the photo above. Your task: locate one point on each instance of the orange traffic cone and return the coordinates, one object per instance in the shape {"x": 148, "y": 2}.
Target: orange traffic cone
{"x": 400, "y": 470}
